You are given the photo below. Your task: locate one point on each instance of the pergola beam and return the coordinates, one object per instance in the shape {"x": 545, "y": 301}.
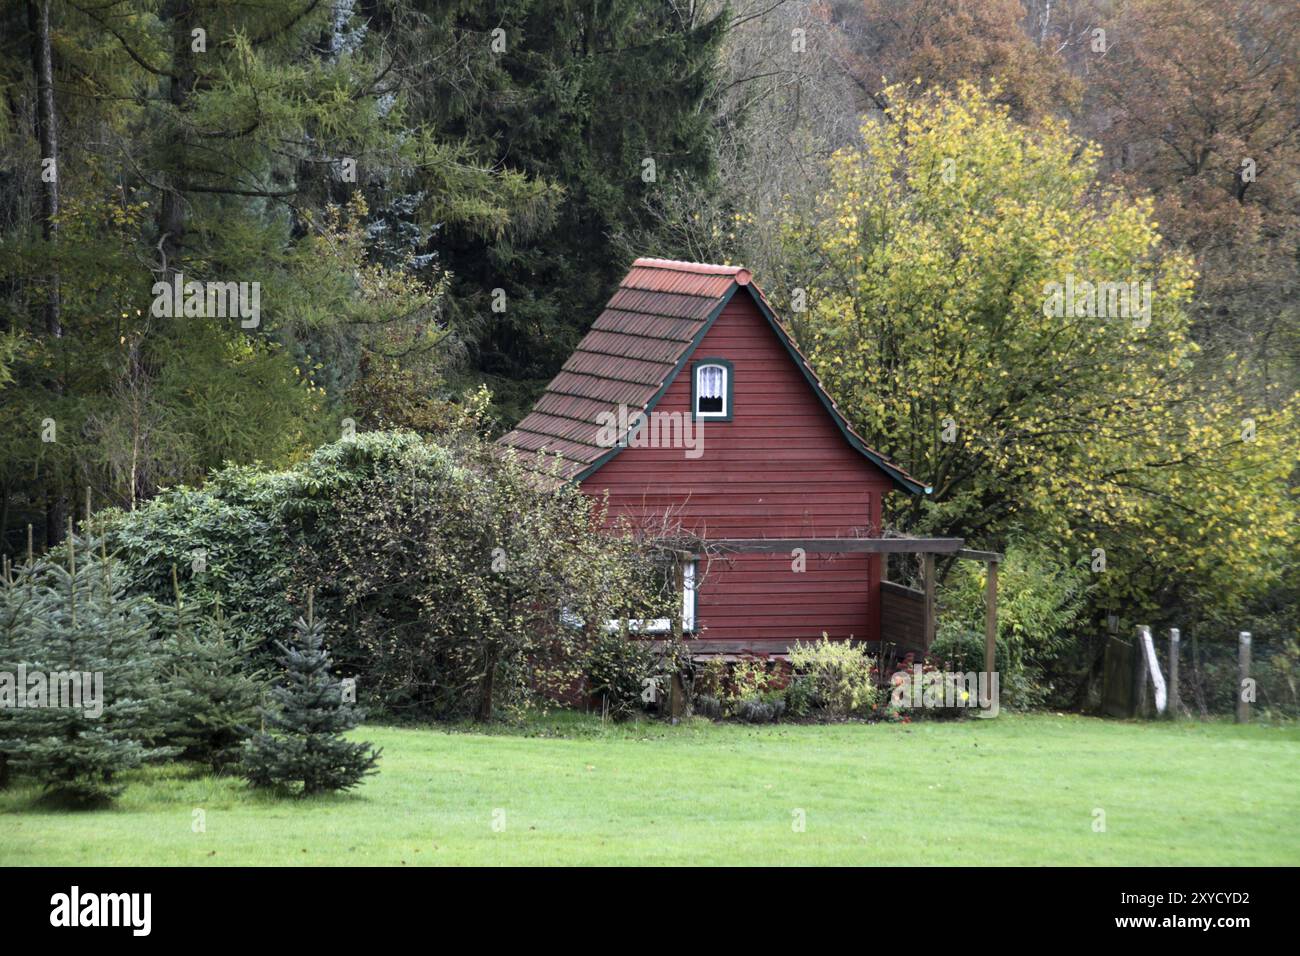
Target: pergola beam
{"x": 841, "y": 545}
{"x": 985, "y": 556}
{"x": 929, "y": 581}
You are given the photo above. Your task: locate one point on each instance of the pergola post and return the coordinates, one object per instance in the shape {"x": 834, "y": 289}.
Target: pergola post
{"x": 931, "y": 613}
{"x": 990, "y": 620}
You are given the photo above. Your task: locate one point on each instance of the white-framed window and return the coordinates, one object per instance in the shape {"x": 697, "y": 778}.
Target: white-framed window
{"x": 663, "y": 625}
{"x": 712, "y": 391}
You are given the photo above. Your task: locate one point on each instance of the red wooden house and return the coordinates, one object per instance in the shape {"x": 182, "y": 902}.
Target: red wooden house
{"x": 687, "y": 344}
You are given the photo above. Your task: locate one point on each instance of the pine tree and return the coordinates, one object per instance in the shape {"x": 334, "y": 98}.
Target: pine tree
{"x": 306, "y": 747}
{"x": 78, "y": 714}
{"x": 212, "y": 694}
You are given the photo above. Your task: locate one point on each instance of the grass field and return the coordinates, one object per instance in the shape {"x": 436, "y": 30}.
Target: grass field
{"x": 569, "y": 790}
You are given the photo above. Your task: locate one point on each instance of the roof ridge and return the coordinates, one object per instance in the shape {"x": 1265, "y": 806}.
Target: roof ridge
{"x": 699, "y": 268}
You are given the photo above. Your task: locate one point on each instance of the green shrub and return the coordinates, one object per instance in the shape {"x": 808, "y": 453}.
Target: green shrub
{"x": 751, "y": 689}
{"x": 447, "y": 566}
{"x": 710, "y": 678}
{"x": 1279, "y": 680}
{"x": 799, "y": 697}
{"x": 238, "y": 539}
{"x": 706, "y": 705}
{"x": 464, "y": 584}
{"x": 211, "y": 692}
{"x": 934, "y": 692}
{"x": 617, "y": 670}
{"x": 839, "y": 676}
{"x": 748, "y": 679}
{"x": 761, "y": 709}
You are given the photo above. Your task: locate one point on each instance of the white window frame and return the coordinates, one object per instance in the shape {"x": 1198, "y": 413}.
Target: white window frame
{"x": 726, "y": 372}
{"x": 663, "y": 625}
{"x": 688, "y": 597}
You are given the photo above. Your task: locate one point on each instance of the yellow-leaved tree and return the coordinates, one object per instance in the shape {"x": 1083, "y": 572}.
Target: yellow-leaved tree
{"x": 1013, "y": 332}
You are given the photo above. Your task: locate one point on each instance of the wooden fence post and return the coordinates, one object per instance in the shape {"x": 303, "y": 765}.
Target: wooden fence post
{"x": 1243, "y": 675}
{"x": 1140, "y": 675}
{"x": 1175, "y": 643}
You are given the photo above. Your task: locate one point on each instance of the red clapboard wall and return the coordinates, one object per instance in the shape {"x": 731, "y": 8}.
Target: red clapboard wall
{"x": 780, "y": 468}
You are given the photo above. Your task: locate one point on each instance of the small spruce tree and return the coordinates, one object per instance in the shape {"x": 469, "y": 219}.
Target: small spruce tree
{"x": 212, "y": 694}
{"x": 90, "y": 671}
{"x": 305, "y": 749}
{"x": 19, "y": 627}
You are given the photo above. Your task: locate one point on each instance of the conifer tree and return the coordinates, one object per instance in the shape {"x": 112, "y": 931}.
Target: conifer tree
{"x": 306, "y": 750}
{"x": 212, "y": 693}
{"x": 18, "y": 628}
{"x": 631, "y": 114}
{"x": 77, "y": 713}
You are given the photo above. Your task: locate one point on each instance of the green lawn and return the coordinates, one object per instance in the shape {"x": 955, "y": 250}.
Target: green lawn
{"x": 1014, "y": 790}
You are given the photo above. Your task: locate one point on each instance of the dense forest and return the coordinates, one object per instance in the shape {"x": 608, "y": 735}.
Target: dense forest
{"x": 430, "y": 198}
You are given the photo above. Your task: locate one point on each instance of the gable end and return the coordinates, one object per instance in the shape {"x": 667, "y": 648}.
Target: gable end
{"x": 647, "y": 334}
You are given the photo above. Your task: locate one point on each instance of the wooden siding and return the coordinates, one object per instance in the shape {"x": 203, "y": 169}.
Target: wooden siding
{"x": 902, "y": 617}
{"x": 780, "y": 468}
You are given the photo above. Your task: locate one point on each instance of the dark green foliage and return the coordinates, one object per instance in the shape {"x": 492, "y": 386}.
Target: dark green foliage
{"x": 225, "y": 165}
{"x": 761, "y": 710}
{"x": 452, "y": 569}
{"x": 1041, "y": 601}
{"x": 305, "y": 750}
{"x": 60, "y": 623}
{"x": 224, "y": 542}
{"x": 800, "y": 696}
{"x": 581, "y": 96}
{"x": 706, "y": 705}
{"x": 236, "y": 540}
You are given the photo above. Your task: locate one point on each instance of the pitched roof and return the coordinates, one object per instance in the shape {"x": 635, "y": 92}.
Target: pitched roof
{"x": 645, "y": 336}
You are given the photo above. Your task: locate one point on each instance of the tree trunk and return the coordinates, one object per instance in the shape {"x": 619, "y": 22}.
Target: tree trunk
{"x": 487, "y": 687}
{"x": 47, "y": 140}
{"x": 171, "y": 208}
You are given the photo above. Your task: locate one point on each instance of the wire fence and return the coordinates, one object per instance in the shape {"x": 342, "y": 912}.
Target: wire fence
{"x": 1208, "y": 678}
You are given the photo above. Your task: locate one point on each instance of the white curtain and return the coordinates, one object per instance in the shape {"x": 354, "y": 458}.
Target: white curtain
{"x": 711, "y": 381}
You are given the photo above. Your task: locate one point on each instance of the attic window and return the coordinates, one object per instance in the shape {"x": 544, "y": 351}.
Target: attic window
{"x": 711, "y": 389}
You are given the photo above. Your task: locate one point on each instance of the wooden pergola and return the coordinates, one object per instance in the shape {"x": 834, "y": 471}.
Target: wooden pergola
{"x": 927, "y": 548}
